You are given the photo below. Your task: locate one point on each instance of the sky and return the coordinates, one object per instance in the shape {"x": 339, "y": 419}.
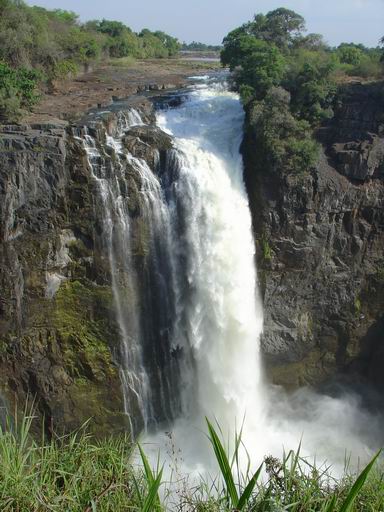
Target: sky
{"x": 208, "y": 21}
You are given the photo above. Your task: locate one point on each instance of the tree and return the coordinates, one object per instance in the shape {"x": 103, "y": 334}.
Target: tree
{"x": 313, "y": 92}
{"x": 17, "y": 90}
{"x": 282, "y": 141}
{"x": 69, "y": 17}
{"x": 314, "y": 42}
{"x": 112, "y": 28}
{"x": 349, "y": 54}
{"x": 281, "y": 27}
{"x": 236, "y": 46}
{"x": 261, "y": 68}
{"x": 171, "y": 43}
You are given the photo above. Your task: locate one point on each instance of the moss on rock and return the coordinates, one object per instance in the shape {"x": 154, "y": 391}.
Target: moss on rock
{"x": 82, "y": 319}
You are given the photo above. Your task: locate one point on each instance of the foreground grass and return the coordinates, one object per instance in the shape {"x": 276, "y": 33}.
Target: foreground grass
{"x": 80, "y": 473}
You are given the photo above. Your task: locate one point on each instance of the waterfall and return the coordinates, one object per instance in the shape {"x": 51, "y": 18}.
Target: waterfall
{"x": 201, "y": 318}
{"x": 221, "y": 311}
{"x": 116, "y": 236}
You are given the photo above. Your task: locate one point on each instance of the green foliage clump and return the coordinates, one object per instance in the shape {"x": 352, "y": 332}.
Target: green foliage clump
{"x": 349, "y": 54}
{"x": 285, "y": 95}
{"x": 358, "y": 60}
{"x": 121, "y": 41}
{"x": 266, "y": 249}
{"x": 64, "y": 68}
{"x": 82, "y": 322}
{"x": 312, "y": 92}
{"x": 18, "y": 90}
{"x": 282, "y": 140}
{"x": 262, "y": 68}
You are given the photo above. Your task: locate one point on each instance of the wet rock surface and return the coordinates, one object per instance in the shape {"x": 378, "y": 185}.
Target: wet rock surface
{"x": 148, "y": 143}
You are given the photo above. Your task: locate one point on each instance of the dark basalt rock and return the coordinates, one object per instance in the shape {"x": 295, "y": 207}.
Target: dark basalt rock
{"x": 149, "y": 143}
{"x": 320, "y": 249}
{"x": 354, "y": 137}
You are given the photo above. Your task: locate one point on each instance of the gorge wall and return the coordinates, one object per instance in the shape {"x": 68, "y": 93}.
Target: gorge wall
{"x": 320, "y": 238}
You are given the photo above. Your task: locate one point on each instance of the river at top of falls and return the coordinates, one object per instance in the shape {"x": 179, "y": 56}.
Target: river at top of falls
{"x": 220, "y": 317}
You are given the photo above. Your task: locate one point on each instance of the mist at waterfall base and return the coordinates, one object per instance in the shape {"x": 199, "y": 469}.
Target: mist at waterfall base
{"x": 222, "y": 378}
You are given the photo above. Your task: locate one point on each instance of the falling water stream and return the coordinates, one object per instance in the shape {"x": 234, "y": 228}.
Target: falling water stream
{"x": 117, "y": 239}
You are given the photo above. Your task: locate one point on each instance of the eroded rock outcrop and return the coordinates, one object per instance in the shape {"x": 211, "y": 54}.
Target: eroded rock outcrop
{"x": 320, "y": 238}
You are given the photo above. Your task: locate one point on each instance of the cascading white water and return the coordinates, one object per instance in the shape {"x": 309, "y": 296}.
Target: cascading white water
{"x": 143, "y": 296}
{"x": 222, "y": 314}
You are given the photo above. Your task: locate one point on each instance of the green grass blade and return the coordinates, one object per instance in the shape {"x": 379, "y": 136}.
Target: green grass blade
{"x": 330, "y": 507}
{"x": 224, "y": 465}
{"x": 151, "y": 479}
{"x": 147, "y": 468}
{"x": 348, "y": 502}
{"x": 152, "y": 500}
{"x": 249, "y": 489}
{"x": 138, "y": 490}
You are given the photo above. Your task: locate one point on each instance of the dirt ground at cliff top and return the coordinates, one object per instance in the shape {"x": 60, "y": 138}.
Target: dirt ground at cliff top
{"x": 118, "y": 79}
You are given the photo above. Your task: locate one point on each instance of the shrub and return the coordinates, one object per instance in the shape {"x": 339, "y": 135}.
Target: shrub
{"x": 282, "y": 141}
{"x": 18, "y": 90}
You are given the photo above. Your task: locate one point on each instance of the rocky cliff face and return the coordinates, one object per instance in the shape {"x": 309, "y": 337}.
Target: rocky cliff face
{"x": 320, "y": 238}
{"x": 59, "y": 334}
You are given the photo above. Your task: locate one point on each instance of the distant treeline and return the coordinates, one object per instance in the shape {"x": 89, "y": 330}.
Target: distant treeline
{"x": 38, "y": 46}
{"x": 200, "y": 47}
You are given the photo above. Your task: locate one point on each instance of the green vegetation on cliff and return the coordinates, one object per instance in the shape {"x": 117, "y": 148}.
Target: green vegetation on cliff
{"x": 82, "y": 321}
{"x": 288, "y": 83}
{"x": 47, "y": 45}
